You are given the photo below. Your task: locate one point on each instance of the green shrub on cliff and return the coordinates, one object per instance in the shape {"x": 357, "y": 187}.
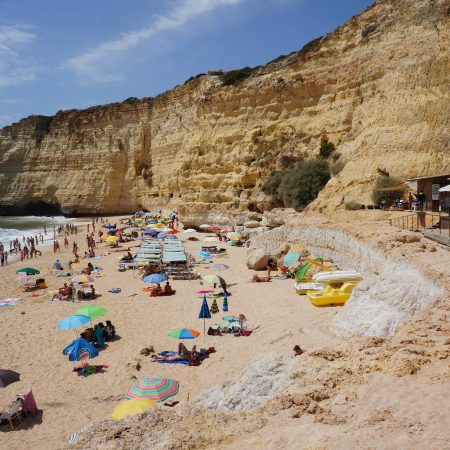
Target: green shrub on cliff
{"x": 299, "y": 186}
{"x": 326, "y": 149}
{"x": 234, "y": 76}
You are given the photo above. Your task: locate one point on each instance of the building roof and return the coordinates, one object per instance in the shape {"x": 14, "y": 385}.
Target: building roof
{"x": 430, "y": 176}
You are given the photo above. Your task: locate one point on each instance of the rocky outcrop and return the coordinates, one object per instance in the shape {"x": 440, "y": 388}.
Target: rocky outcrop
{"x": 377, "y": 87}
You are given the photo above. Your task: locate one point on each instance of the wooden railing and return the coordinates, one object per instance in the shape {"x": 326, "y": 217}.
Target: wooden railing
{"x": 422, "y": 220}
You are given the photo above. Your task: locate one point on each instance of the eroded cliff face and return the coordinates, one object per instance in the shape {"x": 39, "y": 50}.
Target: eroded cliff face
{"x": 378, "y": 87}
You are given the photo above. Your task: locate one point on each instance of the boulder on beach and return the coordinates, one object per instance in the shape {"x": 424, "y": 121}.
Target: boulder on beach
{"x": 257, "y": 258}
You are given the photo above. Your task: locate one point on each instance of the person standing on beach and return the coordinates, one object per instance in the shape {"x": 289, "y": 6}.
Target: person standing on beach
{"x": 6, "y": 258}
{"x": 2, "y": 258}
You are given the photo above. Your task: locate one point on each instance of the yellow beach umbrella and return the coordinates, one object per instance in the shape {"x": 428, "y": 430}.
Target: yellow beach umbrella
{"x": 132, "y": 407}
{"x": 112, "y": 239}
{"x": 105, "y": 236}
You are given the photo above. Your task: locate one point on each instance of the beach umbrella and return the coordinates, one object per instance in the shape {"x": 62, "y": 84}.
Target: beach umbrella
{"x": 173, "y": 231}
{"x": 111, "y": 239}
{"x": 215, "y": 228}
{"x": 204, "y": 255}
{"x": 233, "y": 235}
{"x": 132, "y": 407}
{"x": 72, "y": 322}
{"x": 204, "y": 313}
{"x": 184, "y": 333}
{"x": 153, "y": 388}
{"x": 205, "y": 225}
{"x": 216, "y": 279}
{"x": 28, "y": 271}
{"x": 214, "y": 307}
{"x": 290, "y": 258}
{"x": 80, "y": 349}
{"x": 189, "y": 230}
{"x": 155, "y": 278}
{"x": 163, "y": 234}
{"x": 82, "y": 279}
{"x": 92, "y": 311}
{"x": 119, "y": 233}
{"x": 8, "y": 377}
{"x": 109, "y": 226}
{"x": 225, "y": 303}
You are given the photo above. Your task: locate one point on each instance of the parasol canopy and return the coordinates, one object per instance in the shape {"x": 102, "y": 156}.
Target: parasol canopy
{"x": 8, "y": 377}
{"x": 73, "y": 322}
{"x": 184, "y": 333}
{"x": 132, "y": 407}
{"x": 155, "y": 278}
{"x": 92, "y": 311}
{"x": 153, "y": 388}
{"x": 82, "y": 279}
{"x": 28, "y": 271}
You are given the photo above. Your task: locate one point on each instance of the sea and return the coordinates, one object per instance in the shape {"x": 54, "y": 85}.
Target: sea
{"x": 12, "y": 227}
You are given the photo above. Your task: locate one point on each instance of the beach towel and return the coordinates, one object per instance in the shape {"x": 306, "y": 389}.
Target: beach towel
{"x": 10, "y": 301}
{"x": 168, "y": 361}
{"x": 73, "y": 438}
{"x": 115, "y": 290}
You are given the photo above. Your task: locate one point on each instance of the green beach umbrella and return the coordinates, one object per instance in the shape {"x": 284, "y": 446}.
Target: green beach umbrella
{"x": 28, "y": 271}
{"x": 92, "y": 311}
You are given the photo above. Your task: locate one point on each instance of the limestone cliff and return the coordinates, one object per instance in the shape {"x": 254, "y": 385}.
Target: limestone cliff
{"x": 378, "y": 87}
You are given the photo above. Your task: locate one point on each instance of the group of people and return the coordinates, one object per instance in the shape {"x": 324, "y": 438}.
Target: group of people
{"x": 100, "y": 334}
{"x": 158, "y": 290}
{"x": 66, "y": 293}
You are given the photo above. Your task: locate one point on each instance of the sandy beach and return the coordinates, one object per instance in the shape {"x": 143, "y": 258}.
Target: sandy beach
{"x": 32, "y": 345}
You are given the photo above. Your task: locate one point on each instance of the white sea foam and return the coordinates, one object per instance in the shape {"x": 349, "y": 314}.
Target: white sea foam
{"x": 392, "y": 291}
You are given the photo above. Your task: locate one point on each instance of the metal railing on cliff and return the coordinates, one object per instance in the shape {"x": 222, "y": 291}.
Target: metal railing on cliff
{"x": 422, "y": 220}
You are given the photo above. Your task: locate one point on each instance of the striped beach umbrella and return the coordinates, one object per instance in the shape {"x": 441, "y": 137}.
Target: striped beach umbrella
{"x": 154, "y": 388}
{"x": 214, "y": 307}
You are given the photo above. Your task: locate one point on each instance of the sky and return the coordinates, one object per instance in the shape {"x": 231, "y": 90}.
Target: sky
{"x": 63, "y": 54}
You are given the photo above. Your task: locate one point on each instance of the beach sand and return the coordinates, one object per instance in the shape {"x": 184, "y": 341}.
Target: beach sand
{"x": 32, "y": 345}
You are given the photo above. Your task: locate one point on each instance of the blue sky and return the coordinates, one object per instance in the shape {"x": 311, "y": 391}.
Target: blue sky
{"x": 63, "y": 54}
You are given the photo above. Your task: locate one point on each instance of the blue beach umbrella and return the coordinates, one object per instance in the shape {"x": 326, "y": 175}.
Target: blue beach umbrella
{"x": 204, "y": 313}
{"x": 73, "y": 322}
{"x": 80, "y": 349}
{"x": 225, "y": 302}
{"x": 109, "y": 226}
{"x": 163, "y": 234}
{"x": 155, "y": 278}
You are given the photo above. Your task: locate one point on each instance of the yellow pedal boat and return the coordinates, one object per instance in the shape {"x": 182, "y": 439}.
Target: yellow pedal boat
{"x": 330, "y": 296}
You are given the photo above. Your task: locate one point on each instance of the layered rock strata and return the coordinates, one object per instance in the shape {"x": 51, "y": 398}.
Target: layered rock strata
{"x": 377, "y": 87}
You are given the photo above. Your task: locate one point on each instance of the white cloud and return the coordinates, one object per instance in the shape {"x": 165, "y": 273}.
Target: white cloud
{"x": 93, "y": 64}
{"x": 14, "y": 67}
